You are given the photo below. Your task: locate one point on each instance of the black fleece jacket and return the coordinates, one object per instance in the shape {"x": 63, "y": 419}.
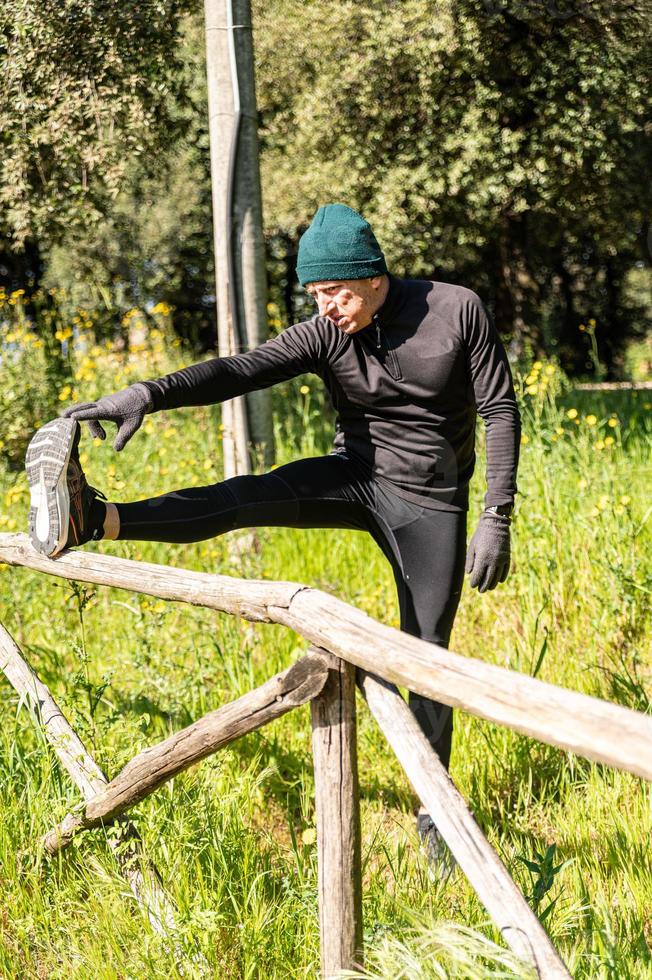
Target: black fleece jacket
{"x": 406, "y": 390}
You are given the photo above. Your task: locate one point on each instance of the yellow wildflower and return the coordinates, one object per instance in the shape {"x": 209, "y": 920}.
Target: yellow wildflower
{"x": 64, "y": 394}
{"x": 536, "y": 366}
{"x": 609, "y": 441}
{"x": 625, "y": 499}
{"x": 531, "y": 378}
{"x": 304, "y": 389}
{"x": 599, "y": 445}
{"x": 524, "y": 439}
{"x": 161, "y": 308}
{"x": 591, "y": 420}
{"x": 550, "y": 369}
{"x": 571, "y": 413}
{"x": 603, "y": 502}
{"x": 612, "y": 423}
{"x": 560, "y": 430}
{"x": 530, "y": 390}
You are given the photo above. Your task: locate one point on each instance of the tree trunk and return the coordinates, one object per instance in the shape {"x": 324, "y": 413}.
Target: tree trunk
{"x": 517, "y": 288}
{"x": 237, "y": 222}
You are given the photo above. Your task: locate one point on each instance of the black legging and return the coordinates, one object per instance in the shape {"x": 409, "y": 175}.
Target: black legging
{"x": 424, "y": 547}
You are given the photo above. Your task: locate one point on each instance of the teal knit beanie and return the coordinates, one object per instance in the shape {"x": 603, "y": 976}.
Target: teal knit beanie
{"x": 339, "y": 244}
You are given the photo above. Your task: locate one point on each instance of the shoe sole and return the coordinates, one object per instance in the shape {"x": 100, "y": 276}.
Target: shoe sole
{"x": 46, "y": 462}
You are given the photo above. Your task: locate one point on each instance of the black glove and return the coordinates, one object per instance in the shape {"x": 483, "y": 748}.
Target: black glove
{"x": 127, "y": 408}
{"x": 488, "y": 557}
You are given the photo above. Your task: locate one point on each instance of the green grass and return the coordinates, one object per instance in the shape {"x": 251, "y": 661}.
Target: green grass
{"x": 234, "y": 837}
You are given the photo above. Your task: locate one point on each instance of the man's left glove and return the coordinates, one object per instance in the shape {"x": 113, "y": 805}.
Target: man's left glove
{"x": 127, "y": 408}
{"x": 488, "y": 557}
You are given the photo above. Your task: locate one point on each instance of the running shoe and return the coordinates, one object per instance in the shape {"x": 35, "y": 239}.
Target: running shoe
{"x": 65, "y": 511}
{"x": 435, "y": 847}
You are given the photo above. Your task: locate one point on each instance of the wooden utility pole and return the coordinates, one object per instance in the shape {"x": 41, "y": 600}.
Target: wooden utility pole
{"x": 241, "y": 288}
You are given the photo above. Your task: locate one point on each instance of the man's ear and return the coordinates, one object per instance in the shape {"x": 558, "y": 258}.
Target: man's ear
{"x": 376, "y": 281}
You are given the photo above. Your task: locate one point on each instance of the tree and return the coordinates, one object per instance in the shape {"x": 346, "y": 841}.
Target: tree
{"x": 239, "y": 247}
{"x": 501, "y": 145}
{"x": 87, "y": 89}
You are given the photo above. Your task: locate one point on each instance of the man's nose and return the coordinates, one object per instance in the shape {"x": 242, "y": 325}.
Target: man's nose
{"x": 326, "y": 305}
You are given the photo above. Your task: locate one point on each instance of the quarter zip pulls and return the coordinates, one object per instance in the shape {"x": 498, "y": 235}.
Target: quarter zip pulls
{"x": 390, "y": 358}
{"x": 376, "y": 320}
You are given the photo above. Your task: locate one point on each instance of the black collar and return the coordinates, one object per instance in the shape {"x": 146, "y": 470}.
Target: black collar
{"x": 392, "y": 304}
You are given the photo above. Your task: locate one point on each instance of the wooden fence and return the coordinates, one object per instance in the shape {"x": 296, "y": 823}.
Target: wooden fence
{"x": 346, "y": 647}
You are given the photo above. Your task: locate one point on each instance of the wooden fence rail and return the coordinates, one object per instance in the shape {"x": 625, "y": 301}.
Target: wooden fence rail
{"x": 342, "y": 639}
{"x": 590, "y": 727}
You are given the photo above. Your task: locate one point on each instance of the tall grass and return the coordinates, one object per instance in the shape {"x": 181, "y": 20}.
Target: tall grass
{"x": 234, "y": 837}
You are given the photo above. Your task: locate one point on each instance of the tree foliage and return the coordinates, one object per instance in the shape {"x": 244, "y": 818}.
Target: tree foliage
{"x": 499, "y": 144}
{"x": 155, "y": 240}
{"x": 87, "y": 90}
{"x": 503, "y": 144}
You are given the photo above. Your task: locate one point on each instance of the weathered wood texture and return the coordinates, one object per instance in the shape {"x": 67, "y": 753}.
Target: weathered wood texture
{"x": 338, "y": 821}
{"x": 248, "y": 598}
{"x": 593, "y": 728}
{"x": 518, "y": 924}
{"x": 588, "y": 726}
{"x": 139, "y": 872}
{"x": 239, "y": 243}
{"x": 151, "y": 768}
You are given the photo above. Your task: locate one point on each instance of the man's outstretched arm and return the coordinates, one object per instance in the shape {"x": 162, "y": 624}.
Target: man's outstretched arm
{"x": 295, "y": 351}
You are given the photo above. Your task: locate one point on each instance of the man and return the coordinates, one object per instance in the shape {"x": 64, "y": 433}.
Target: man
{"x": 407, "y": 364}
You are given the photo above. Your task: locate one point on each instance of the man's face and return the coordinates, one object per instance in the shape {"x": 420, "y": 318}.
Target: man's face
{"x": 349, "y": 304}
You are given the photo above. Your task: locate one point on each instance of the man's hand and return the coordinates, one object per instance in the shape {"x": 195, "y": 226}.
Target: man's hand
{"x": 488, "y": 557}
{"x": 127, "y": 408}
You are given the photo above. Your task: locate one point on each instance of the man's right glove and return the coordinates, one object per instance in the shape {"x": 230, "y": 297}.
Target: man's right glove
{"x": 127, "y": 408}
{"x": 488, "y": 557}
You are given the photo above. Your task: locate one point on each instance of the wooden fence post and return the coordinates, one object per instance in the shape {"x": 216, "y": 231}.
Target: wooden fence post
{"x": 338, "y": 819}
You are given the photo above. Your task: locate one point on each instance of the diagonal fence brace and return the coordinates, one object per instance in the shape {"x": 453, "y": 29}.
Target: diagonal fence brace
{"x": 155, "y": 765}
{"x": 476, "y": 857}
{"x": 139, "y": 872}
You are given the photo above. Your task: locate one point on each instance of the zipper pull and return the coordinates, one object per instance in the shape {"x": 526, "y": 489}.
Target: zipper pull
{"x": 378, "y": 341}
